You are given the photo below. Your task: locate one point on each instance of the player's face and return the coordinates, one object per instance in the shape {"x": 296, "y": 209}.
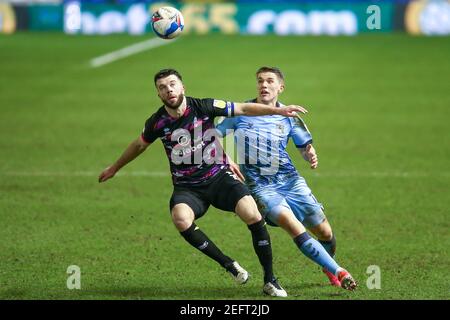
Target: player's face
{"x": 269, "y": 87}
{"x": 170, "y": 91}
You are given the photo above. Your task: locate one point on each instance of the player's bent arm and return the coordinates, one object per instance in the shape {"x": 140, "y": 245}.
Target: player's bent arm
{"x": 309, "y": 154}
{"x": 134, "y": 149}
{"x": 258, "y": 109}
{"x": 303, "y": 153}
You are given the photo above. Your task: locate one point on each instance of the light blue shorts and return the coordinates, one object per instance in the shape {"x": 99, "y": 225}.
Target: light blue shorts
{"x": 293, "y": 194}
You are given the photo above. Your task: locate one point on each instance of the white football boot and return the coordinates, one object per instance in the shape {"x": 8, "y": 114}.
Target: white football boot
{"x": 273, "y": 288}
{"x": 239, "y": 274}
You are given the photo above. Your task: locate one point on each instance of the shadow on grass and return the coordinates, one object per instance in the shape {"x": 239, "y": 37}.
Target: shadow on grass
{"x": 313, "y": 290}
{"x": 13, "y": 294}
{"x": 173, "y": 293}
{"x": 296, "y": 292}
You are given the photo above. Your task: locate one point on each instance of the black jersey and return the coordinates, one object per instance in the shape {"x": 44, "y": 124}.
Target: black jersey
{"x": 194, "y": 152}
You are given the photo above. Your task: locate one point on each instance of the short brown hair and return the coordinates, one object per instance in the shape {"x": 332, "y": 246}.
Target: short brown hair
{"x": 273, "y": 70}
{"x": 164, "y": 73}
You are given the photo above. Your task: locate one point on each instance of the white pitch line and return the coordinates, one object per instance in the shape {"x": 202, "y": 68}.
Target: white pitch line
{"x": 377, "y": 174}
{"x": 167, "y": 173}
{"x": 128, "y": 51}
{"x": 83, "y": 174}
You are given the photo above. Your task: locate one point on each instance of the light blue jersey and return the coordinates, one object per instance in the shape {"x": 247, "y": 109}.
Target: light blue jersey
{"x": 261, "y": 143}
{"x": 269, "y": 172}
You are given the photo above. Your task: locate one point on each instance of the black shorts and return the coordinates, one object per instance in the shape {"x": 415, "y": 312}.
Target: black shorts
{"x": 223, "y": 192}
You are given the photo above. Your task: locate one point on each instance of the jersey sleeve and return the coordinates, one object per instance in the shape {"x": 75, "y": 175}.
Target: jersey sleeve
{"x": 217, "y": 108}
{"x": 300, "y": 133}
{"x": 225, "y": 125}
{"x": 149, "y": 133}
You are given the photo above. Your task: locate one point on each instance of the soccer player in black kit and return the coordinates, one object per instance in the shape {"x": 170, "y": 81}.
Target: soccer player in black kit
{"x": 200, "y": 171}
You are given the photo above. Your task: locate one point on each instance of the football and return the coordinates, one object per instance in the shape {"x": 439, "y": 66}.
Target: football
{"x": 167, "y": 22}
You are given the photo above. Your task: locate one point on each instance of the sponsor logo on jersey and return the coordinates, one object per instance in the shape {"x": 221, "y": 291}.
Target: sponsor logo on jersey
{"x": 280, "y": 128}
{"x": 184, "y": 140}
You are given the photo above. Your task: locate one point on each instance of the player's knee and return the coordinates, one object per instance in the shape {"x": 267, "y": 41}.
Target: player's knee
{"x": 325, "y": 233}
{"x": 182, "y": 218}
{"x": 247, "y": 210}
{"x": 254, "y": 219}
{"x": 322, "y": 231}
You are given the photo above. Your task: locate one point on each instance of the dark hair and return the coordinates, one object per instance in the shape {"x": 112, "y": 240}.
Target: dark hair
{"x": 273, "y": 70}
{"x": 164, "y": 73}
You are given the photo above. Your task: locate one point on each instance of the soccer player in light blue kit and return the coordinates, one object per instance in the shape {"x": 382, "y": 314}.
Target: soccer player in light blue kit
{"x": 281, "y": 193}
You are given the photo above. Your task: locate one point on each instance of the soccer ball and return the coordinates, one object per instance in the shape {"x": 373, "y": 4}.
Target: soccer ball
{"x": 167, "y": 22}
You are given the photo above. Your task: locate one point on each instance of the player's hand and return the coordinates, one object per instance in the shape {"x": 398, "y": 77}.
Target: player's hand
{"x": 106, "y": 174}
{"x": 311, "y": 156}
{"x": 235, "y": 169}
{"x": 292, "y": 110}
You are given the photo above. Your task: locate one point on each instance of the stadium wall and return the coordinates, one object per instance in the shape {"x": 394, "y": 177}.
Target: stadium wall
{"x": 420, "y": 17}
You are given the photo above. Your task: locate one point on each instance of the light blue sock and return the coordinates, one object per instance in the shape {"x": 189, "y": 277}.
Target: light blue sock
{"x": 311, "y": 248}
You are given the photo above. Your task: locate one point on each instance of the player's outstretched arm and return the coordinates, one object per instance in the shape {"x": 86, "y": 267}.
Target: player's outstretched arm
{"x": 135, "y": 148}
{"x": 310, "y": 155}
{"x": 258, "y": 109}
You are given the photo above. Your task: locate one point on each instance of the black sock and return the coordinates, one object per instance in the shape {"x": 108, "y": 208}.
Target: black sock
{"x": 330, "y": 246}
{"x": 199, "y": 240}
{"x": 263, "y": 248}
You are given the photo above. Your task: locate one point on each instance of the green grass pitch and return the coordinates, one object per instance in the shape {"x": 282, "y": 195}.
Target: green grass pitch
{"x": 379, "y": 112}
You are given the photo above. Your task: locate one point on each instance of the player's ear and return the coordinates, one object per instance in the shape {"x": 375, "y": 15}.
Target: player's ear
{"x": 281, "y": 88}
